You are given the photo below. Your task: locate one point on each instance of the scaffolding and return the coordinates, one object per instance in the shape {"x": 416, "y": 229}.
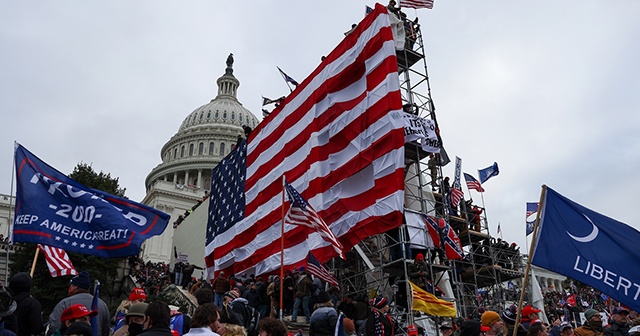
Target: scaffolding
{"x": 381, "y": 265}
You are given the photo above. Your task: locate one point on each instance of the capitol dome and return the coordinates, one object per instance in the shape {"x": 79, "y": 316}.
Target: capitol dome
{"x": 205, "y": 137}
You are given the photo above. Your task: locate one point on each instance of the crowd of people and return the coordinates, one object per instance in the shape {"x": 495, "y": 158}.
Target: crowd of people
{"x": 186, "y": 214}
{"x": 249, "y": 306}
{"x": 495, "y": 323}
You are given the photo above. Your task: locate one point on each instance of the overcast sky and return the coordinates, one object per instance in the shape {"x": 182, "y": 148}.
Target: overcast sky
{"x": 548, "y": 89}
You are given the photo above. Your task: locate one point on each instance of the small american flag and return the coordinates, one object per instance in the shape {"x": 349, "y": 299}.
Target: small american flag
{"x": 58, "y": 261}
{"x": 417, "y": 4}
{"x": 288, "y": 78}
{"x": 301, "y": 213}
{"x": 456, "y": 196}
{"x": 472, "y": 183}
{"x": 316, "y": 269}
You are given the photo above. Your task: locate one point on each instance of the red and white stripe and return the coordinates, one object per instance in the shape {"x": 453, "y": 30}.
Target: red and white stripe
{"x": 323, "y": 274}
{"x": 456, "y": 196}
{"x": 58, "y": 261}
{"x": 417, "y": 4}
{"x": 339, "y": 139}
{"x": 310, "y": 219}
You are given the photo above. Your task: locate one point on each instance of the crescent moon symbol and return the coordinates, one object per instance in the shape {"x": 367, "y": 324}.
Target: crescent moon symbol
{"x": 590, "y": 237}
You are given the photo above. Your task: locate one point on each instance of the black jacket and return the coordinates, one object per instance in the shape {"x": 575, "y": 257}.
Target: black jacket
{"x": 29, "y": 310}
{"x": 616, "y": 329}
{"x": 157, "y": 331}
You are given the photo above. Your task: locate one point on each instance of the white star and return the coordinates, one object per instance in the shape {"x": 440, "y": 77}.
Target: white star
{"x": 90, "y": 246}
{"x": 66, "y": 241}
{"x": 58, "y": 238}
{"x": 83, "y": 245}
{"x": 74, "y": 243}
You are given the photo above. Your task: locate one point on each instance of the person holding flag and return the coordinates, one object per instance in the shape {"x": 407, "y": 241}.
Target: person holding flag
{"x": 79, "y": 294}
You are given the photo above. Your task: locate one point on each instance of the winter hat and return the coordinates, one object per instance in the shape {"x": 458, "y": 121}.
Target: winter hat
{"x": 589, "y": 313}
{"x": 76, "y": 311}
{"x": 234, "y": 293}
{"x": 489, "y": 318}
{"x": 7, "y": 303}
{"x": 137, "y": 294}
{"x": 302, "y": 269}
{"x": 420, "y": 257}
{"x": 82, "y": 280}
{"x": 349, "y": 326}
{"x": 20, "y": 282}
{"x": 508, "y": 317}
{"x": 323, "y": 297}
{"x": 379, "y": 302}
{"x": 472, "y": 328}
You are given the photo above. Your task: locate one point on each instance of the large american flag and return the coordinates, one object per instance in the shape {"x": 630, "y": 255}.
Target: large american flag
{"x": 417, "y": 4}
{"x": 226, "y": 204}
{"x": 301, "y": 213}
{"x": 339, "y": 138}
{"x": 316, "y": 269}
{"x": 58, "y": 261}
{"x": 472, "y": 183}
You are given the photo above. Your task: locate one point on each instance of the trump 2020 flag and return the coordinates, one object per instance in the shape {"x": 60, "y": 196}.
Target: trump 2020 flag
{"x": 589, "y": 247}
{"x": 54, "y": 210}
{"x": 489, "y": 172}
{"x": 532, "y": 209}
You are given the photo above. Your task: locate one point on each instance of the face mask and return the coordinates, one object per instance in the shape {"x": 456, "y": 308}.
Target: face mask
{"x": 596, "y": 325}
{"x": 135, "y": 329}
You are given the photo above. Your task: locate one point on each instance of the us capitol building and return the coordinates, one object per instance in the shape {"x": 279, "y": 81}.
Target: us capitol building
{"x": 183, "y": 178}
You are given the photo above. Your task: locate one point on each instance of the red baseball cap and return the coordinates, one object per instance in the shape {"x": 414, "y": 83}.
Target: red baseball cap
{"x": 137, "y": 294}
{"x": 528, "y": 310}
{"x": 76, "y": 311}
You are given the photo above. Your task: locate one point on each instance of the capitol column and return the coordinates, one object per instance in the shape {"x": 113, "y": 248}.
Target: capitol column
{"x": 199, "y": 178}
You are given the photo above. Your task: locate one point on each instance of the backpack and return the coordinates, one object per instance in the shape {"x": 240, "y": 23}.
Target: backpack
{"x": 252, "y": 320}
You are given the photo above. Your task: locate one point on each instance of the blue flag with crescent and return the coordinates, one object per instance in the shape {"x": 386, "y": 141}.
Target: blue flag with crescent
{"x": 489, "y": 172}
{"x": 589, "y": 247}
{"x": 54, "y": 210}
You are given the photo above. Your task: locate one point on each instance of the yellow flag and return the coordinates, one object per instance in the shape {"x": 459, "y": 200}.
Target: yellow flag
{"x": 426, "y": 302}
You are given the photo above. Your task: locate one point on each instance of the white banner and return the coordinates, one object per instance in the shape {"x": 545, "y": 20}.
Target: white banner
{"x": 416, "y": 128}
{"x": 416, "y": 226}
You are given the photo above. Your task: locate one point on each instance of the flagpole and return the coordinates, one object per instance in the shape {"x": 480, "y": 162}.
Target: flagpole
{"x": 526, "y": 272}
{"x": 486, "y": 218}
{"x": 33, "y": 265}
{"x": 282, "y": 252}
{"x": 11, "y": 206}
{"x": 289, "y": 86}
